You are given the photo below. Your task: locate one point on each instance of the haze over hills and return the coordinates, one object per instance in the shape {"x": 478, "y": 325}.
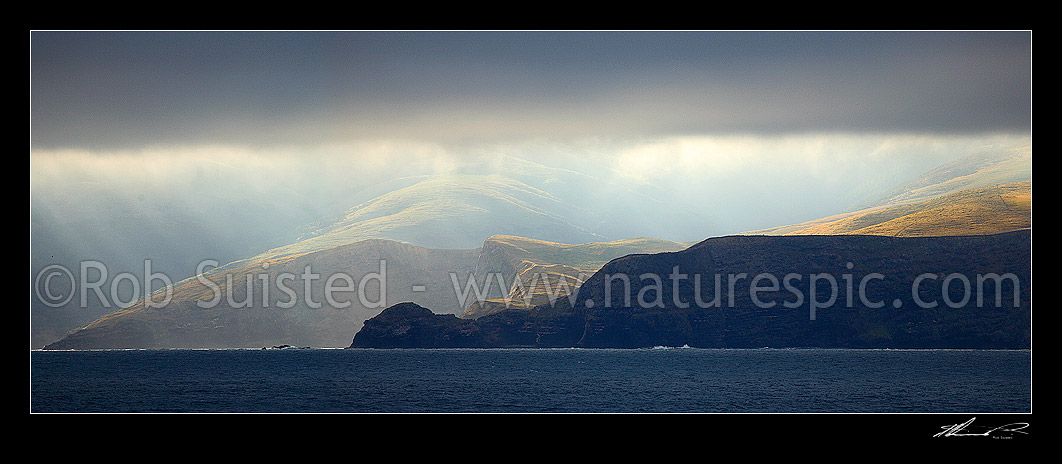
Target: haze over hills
{"x": 453, "y": 211}
{"x": 519, "y": 212}
{"x": 986, "y": 192}
{"x": 978, "y": 211}
{"x": 982, "y": 169}
{"x": 956, "y": 220}
{"x": 496, "y": 195}
{"x": 288, "y": 302}
{"x": 283, "y": 300}
{"x": 207, "y": 211}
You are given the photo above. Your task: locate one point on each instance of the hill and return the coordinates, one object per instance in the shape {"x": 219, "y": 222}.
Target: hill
{"x": 536, "y": 272}
{"x": 973, "y": 171}
{"x": 700, "y": 311}
{"x": 283, "y": 300}
{"x": 496, "y": 195}
{"x": 541, "y": 221}
{"x": 979, "y": 211}
{"x": 966, "y": 183}
{"x": 452, "y": 211}
{"x": 288, "y": 303}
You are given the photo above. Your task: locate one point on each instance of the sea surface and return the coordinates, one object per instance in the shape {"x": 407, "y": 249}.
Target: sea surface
{"x": 661, "y": 380}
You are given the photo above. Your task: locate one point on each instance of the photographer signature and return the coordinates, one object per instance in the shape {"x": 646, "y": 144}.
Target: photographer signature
{"x": 964, "y": 429}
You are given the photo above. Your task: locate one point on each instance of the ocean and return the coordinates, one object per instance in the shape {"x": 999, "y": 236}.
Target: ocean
{"x": 660, "y": 380}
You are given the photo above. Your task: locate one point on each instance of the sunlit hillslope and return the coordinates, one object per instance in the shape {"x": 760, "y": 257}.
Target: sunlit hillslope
{"x": 973, "y": 171}
{"x": 536, "y": 271}
{"x": 980, "y": 211}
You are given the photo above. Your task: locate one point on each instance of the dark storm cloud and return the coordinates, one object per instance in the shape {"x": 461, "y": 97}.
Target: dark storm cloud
{"x": 122, "y": 89}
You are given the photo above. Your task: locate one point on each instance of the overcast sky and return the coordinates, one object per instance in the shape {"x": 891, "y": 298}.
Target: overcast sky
{"x": 178, "y": 147}
{"x": 751, "y": 129}
{"x": 121, "y": 90}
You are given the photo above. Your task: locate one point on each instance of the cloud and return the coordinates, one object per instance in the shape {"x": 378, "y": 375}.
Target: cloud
{"x": 114, "y": 90}
{"x": 178, "y": 205}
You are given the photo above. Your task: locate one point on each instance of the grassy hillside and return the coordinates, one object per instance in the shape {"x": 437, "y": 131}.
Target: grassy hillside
{"x": 450, "y": 212}
{"x": 987, "y": 192}
{"x": 543, "y": 268}
{"x": 977, "y": 170}
{"x": 496, "y": 195}
{"x": 980, "y": 211}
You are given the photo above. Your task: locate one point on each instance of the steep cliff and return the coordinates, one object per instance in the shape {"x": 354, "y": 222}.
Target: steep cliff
{"x": 761, "y": 291}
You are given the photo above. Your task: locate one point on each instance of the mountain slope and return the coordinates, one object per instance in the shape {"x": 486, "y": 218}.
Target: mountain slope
{"x": 697, "y": 311}
{"x": 288, "y": 304}
{"x": 283, "y": 300}
{"x": 980, "y": 211}
{"x": 536, "y": 271}
{"x": 494, "y": 195}
{"x": 973, "y": 171}
{"x": 452, "y": 212}
{"x": 966, "y": 183}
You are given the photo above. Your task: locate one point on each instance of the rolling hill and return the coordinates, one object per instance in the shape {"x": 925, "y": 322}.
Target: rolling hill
{"x": 979, "y": 211}
{"x": 495, "y": 195}
{"x": 453, "y": 211}
{"x": 973, "y": 171}
{"x": 283, "y": 300}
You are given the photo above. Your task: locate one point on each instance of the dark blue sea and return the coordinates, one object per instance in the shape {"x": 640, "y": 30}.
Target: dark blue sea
{"x": 672, "y": 380}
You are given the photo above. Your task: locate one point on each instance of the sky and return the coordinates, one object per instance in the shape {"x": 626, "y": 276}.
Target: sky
{"x": 216, "y": 133}
{"x": 184, "y": 146}
{"x": 128, "y": 90}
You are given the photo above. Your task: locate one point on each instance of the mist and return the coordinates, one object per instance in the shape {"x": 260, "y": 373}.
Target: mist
{"x": 185, "y": 204}
{"x": 180, "y": 147}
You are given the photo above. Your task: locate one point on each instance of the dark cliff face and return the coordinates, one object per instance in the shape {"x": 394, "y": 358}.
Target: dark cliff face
{"x": 781, "y": 312}
{"x": 756, "y": 291}
{"x": 408, "y": 325}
